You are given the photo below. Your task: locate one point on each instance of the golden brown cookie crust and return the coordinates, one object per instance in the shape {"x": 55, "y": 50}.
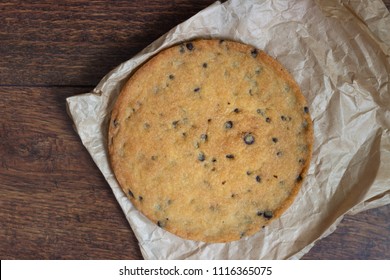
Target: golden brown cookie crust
{"x": 211, "y": 140}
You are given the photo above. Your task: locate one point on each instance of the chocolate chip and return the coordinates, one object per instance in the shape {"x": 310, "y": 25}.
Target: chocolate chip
{"x": 190, "y": 46}
{"x": 140, "y": 198}
{"x": 204, "y": 65}
{"x": 279, "y": 153}
{"x": 249, "y": 173}
{"x": 130, "y": 193}
{"x": 161, "y": 224}
{"x": 115, "y": 122}
{"x": 258, "y": 179}
{"x": 171, "y": 76}
{"x": 274, "y": 139}
{"x": 228, "y": 125}
{"x": 249, "y": 139}
{"x": 259, "y": 213}
{"x": 306, "y": 109}
{"x": 224, "y": 182}
{"x": 283, "y": 118}
{"x": 230, "y": 156}
{"x": 299, "y": 178}
{"x": 267, "y": 119}
{"x": 236, "y": 110}
{"x": 201, "y": 156}
{"x": 276, "y": 176}
{"x": 209, "y": 120}
{"x": 268, "y": 214}
{"x": 260, "y": 112}
{"x": 174, "y": 124}
{"x": 203, "y": 137}
{"x": 196, "y": 89}
{"x": 254, "y": 52}
{"x": 301, "y": 161}
{"x": 214, "y": 160}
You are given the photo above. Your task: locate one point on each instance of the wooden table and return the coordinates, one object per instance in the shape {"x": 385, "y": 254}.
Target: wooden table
{"x": 55, "y": 204}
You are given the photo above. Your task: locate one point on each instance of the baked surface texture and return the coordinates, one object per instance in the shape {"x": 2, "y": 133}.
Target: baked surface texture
{"x": 211, "y": 140}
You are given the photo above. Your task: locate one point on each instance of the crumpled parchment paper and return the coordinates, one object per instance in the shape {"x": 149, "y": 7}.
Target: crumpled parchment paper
{"x": 339, "y": 53}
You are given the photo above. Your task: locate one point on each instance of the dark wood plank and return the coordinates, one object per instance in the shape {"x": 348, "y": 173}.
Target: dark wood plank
{"x": 54, "y": 202}
{"x": 365, "y": 236}
{"x": 77, "y": 42}
{"x": 387, "y": 3}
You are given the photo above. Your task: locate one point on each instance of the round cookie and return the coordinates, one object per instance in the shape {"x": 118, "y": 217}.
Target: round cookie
{"x": 210, "y": 140}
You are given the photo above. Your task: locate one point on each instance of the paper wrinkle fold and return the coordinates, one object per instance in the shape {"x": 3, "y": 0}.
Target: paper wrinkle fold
{"x": 339, "y": 53}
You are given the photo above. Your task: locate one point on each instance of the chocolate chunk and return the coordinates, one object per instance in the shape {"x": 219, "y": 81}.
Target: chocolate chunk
{"x": 254, "y": 52}
{"x": 260, "y": 112}
{"x": 268, "y": 214}
{"x": 161, "y": 224}
{"x": 115, "y": 122}
{"x": 201, "y": 156}
{"x": 174, "y": 124}
{"x": 249, "y": 139}
{"x": 190, "y": 46}
{"x": 228, "y": 125}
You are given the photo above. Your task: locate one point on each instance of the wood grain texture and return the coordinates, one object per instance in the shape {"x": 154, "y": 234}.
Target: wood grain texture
{"x": 71, "y": 37}
{"x": 54, "y": 202}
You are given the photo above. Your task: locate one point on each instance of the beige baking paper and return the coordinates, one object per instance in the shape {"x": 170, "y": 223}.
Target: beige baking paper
{"x": 338, "y": 52}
